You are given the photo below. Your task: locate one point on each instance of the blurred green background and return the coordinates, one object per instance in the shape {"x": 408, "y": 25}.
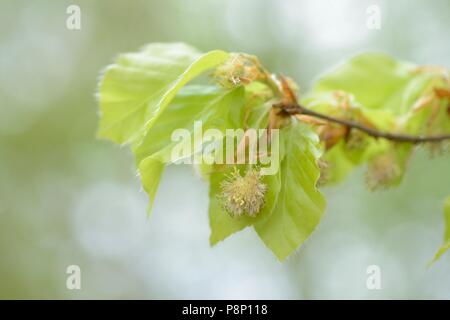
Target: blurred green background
{"x": 67, "y": 198}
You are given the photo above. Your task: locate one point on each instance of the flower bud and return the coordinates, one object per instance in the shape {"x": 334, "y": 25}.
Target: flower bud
{"x": 238, "y": 69}
{"x": 243, "y": 195}
{"x": 382, "y": 172}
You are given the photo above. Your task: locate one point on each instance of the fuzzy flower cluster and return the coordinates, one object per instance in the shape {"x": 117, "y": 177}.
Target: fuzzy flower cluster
{"x": 239, "y": 69}
{"x": 243, "y": 195}
{"x": 382, "y": 172}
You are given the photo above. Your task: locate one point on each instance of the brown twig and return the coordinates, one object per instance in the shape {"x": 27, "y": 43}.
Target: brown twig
{"x": 294, "y": 109}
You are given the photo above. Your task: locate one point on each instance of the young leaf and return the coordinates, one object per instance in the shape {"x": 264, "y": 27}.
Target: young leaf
{"x": 155, "y": 150}
{"x": 446, "y": 244}
{"x": 209, "y": 104}
{"x": 380, "y": 82}
{"x": 299, "y": 204}
{"x": 376, "y": 80}
{"x": 138, "y": 86}
{"x": 254, "y": 115}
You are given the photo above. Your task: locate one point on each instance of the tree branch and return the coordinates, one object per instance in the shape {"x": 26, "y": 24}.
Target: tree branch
{"x": 293, "y": 109}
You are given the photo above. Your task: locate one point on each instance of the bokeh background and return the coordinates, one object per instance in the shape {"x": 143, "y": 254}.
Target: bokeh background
{"x": 67, "y": 198}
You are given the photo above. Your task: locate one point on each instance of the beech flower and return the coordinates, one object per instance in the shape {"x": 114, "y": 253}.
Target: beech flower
{"x": 243, "y": 195}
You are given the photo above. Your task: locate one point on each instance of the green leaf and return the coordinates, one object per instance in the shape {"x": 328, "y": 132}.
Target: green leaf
{"x": 380, "y": 82}
{"x": 136, "y": 89}
{"x": 253, "y": 115}
{"x": 151, "y": 170}
{"x": 337, "y": 165}
{"x": 376, "y": 80}
{"x": 221, "y": 223}
{"x": 299, "y": 205}
{"x": 198, "y": 103}
{"x": 192, "y": 103}
{"x": 446, "y": 244}
{"x": 385, "y": 91}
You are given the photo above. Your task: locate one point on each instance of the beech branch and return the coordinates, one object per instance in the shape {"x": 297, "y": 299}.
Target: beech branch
{"x": 295, "y": 108}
